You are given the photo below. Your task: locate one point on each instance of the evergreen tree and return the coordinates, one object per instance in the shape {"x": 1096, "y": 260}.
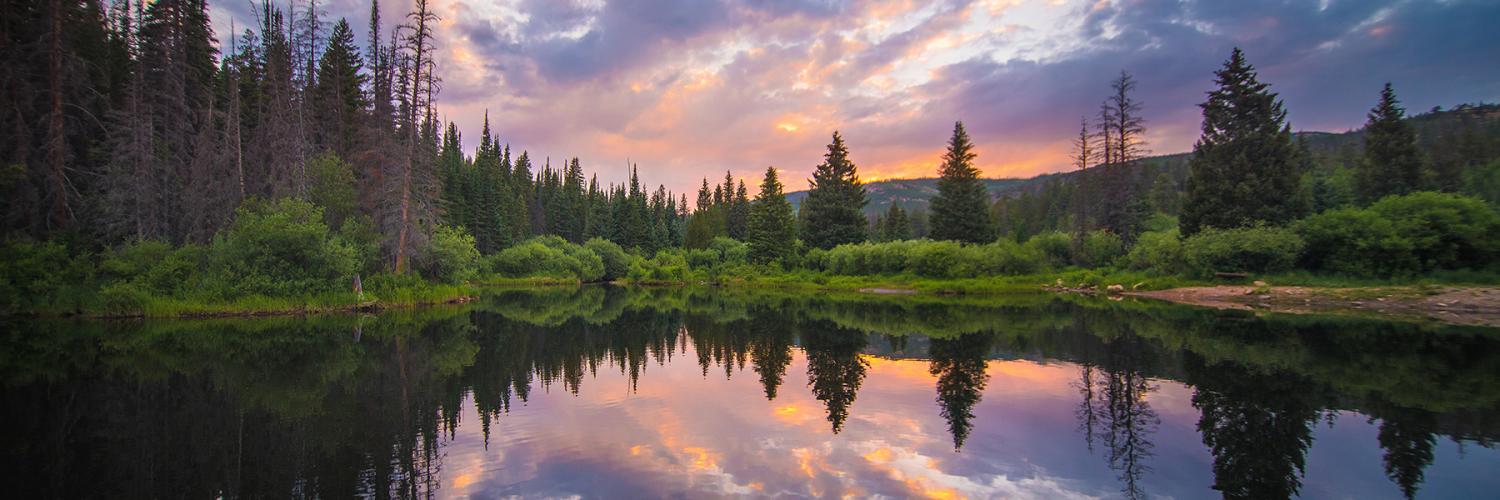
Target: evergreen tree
{"x": 338, "y": 96}
{"x": 836, "y": 200}
{"x": 737, "y": 219}
{"x": 1244, "y": 166}
{"x": 455, "y": 178}
{"x": 1121, "y": 209}
{"x": 1391, "y": 165}
{"x": 835, "y": 369}
{"x": 897, "y": 227}
{"x": 772, "y": 233}
{"x": 960, "y": 211}
{"x": 959, "y": 364}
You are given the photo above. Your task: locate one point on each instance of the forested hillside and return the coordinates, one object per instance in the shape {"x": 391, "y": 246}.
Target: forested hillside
{"x": 1459, "y": 149}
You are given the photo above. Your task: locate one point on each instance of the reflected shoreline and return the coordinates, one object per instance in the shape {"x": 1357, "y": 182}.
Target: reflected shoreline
{"x": 373, "y": 405}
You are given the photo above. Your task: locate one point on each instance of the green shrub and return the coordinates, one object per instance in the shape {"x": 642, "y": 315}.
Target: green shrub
{"x": 451, "y": 255}
{"x": 548, "y": 257}
{"x": 1355, "y": 242}
{"x": 1055, "y": 248}
{"x": 703, "y": 259}
{"x": 1159, "y": 251}
{"x": 280, "y": 249}
{"x": 1447, "y": 231}
{"x": 154, "y": 266}
{"x": 132, "y": 260}
{"x": 43, "y": 275}
{"x": 1402, "y": 235}
{"x": 667, "y": 266}
{"x": 331, "y": 185}
{"x": 1100, "y": 248}
{"x": 816, "y": 259}
{"x": 123, "y": 299}
{"x": 359, "y": 233}
{"x": 1006, "y": 257}
{"x": 732, "y": 252}
{"x": 943, "y": 259}
{"x": 1259, "y": 249}
{"x": 616, "y": 261}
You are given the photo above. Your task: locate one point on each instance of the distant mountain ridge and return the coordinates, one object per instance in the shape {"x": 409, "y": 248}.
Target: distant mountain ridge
{"x": 913, "y": 194}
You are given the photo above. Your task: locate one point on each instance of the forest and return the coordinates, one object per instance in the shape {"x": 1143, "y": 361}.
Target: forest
{"x": 152, "y": 167}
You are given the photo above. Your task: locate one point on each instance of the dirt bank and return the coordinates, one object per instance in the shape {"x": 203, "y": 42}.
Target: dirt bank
{"x": 1479, "y": 306}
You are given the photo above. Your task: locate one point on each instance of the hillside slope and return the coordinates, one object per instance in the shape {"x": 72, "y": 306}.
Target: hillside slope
{"x": 1435, "y": 129}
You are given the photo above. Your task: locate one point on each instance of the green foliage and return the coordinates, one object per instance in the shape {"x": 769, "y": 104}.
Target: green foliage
{"x": 1391, "y": 165}
{"x": 330, "y": 184}
{"x": 961, "y": 209}
{"x": 1483, "y": 182}
{"x": 1008, "y": 258}
{"x": 1245, "y": 166}
{"x": 1158, "y": 251}
{"x": 1356, "y": 242}
{"x": 1258, "y": 249}
{"x": 281, "y": 248}
{"x": 452, "y": 256}
{"x": 154, "y": 266}
{"x": 548, "y": 257}
{"x": 772, "y": 231}
{"x": 1100, "y": 248}
{"x": 42, "y": 276}
{"x": 1055, "y": 248}
{"x": 1403, "y": 236}
{"x": 123, "y": 299}
{"x": 705, "y": 225}
{"x": 616, "y": 262}
{"x": 833, "y": 207}
{"x": 1447, "y": 231}
{"x": 359, "y": 232}
{"x": 667, "y": 266}
{"x": 928, "y": 259}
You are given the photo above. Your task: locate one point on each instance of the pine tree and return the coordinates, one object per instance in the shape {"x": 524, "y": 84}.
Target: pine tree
{"x": 961, "y": 211}
{"x": 772, "y": 233}
{"x": 836, "y": 200}
{"x": 1121, "y": 209}
{"x": 1392, "y": 164}
{"x": 737, "y": 220}
{"x": 1244, "y": 166}
{"x": 897, "y": 227}
{"x": 338, "y": 96}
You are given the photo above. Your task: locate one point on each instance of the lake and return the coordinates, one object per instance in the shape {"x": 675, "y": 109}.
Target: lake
{"x": 606, "y": 392}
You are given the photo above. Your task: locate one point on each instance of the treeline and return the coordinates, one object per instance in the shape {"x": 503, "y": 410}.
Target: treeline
{"x": 1453, "y": 151}
{"x": 126, "y": 128}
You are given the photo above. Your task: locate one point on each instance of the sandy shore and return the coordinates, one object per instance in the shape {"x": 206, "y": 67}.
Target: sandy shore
{"x": 1479, "y": 306}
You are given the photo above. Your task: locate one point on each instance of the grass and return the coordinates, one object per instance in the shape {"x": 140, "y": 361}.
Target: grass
{"x": 814, "y": 280}
{"x": 155, "y": 306}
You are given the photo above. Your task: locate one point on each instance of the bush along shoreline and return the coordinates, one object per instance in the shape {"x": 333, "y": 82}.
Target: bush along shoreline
{"x": 281, "y": 258}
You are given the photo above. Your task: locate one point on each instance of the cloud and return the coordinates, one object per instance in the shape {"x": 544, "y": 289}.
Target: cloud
{"x": 691, "y": 88}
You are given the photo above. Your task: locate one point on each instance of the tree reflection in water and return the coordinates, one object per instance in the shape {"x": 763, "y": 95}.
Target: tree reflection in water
{"x": 271, "y": 407}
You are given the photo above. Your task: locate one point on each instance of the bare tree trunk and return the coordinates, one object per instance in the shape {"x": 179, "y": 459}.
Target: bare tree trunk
{"x": 57, "y": 180}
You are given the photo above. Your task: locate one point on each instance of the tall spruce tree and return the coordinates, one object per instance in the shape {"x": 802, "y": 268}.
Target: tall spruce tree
{"x": 1392, "y": 164}
{"x": 737, "y": 220}
{"x": 961, "y": 209}
{"x": 338, "y": 95}
{"x": 772, "y": 231}
{"x": 1245, "y": 165}
{"x": 836, "y": 200}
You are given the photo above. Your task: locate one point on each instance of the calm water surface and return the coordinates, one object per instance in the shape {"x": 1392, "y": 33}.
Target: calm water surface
{"x": 608, "y": 392}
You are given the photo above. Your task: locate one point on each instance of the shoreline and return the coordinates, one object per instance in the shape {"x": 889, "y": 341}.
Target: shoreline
{"x": 1454, "y": 305}
{"x": 1465, "y": 305}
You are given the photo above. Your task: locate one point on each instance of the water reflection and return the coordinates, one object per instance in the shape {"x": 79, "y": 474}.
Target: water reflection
{"x": 610, "y": 392}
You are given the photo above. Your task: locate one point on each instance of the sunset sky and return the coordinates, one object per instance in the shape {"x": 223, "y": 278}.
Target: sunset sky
{"x": 691, "y": 88}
